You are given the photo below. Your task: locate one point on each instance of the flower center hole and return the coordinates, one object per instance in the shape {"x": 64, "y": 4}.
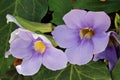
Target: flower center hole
{"x": 88, "y": 33}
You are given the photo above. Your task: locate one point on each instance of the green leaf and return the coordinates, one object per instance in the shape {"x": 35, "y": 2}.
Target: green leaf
{"x": 91, "y": 71}
{"x": 59, "y": 8}
{"x": 35, "y": 26}
{"x": 117, "y": 22}
{"x": 32, "y": 10}
{"x": 98, "y": 5}
{"x": 13, "y": 75}
{"x": 116, "y": 71}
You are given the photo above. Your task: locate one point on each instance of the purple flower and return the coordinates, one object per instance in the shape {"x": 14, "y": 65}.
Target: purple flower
{"x": 110, "y": 54}
{"x": 83, "y": 35}
{"x": 32, "y": 50}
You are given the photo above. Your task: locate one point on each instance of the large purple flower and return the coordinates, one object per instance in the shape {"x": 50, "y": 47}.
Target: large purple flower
{"x": 110, "y": 54}
{"x": 32, "y": 50}
{"x": 83, "y": 35}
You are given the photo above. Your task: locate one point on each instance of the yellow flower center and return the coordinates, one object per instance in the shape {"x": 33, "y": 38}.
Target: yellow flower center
{"x": 88, "y": 32}
{"x": 39, "y": 46}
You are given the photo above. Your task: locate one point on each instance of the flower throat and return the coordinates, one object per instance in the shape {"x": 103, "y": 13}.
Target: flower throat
{"x": 39, "y": 46}
{"x": 87, "y": 32}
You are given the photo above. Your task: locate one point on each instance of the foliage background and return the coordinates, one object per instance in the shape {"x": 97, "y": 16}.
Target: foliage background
{"x": 46, "y": 11}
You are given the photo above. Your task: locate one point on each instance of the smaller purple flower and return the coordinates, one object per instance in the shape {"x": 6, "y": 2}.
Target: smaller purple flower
{"x": 32, "y": 50}
{"x": 110, "y": 54}
{"x": 83, "y": 34}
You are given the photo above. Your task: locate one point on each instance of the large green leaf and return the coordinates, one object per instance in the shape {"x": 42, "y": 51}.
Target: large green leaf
{"x": 99, "y": 5}
{"x": 13, "y": 75}
{"x": 33, "y": 10}
{"x": 116, "y": 71}
{"x": 91, "y": 71}
{"x": 61, "y": 7}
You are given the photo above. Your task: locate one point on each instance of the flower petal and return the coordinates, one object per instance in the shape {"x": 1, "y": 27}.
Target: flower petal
{"x": 14, "y": 35}
{"x": 21, "y": 53}
{"x": 66, "y": 37}
{"x": 101, "y": 55}
{"x": 7, "y": 54}
{"x": 81, "y": 54}
{"x": 54, "y": 59}
{"x": 109, "y": 54}
{"x": 45, "y": 39}
{"x": 75, "y": 19}
{"x": 25, "y": 35}
{"x": 30, "y": 66}
{"x": 22, "y": 33}
{"x": 20, "y": 48}
{"x": 114, "y": 34}
{"x": 99, "y": 21}
{"x": 10, "y": 18}
{"x": 100, "y": 42}
{"x": 22, "y": 43}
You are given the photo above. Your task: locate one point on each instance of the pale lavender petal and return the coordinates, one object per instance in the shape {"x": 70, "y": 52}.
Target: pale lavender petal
{"x": 21, "y": 33}
{"x": 21, "y": 53}
{"x": 25, "y": 35}
{"x": 20, "y": 48}
{"x": 20, "y": 43}
{"x": 45, "y": 39}
{"x": 7, "y": 54}
{"x": 10, "y": 18}
{"x": 30, "y": 66}
{"x": 100, "y": 42}
{"x": 99, "y": 21}
{"x": 75, "y": 19}
{"x": 81, "y": 54}
{"x": 54, "y": 59}
{"x": 66, "y": 37}
{"x": 14, "y": 35}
